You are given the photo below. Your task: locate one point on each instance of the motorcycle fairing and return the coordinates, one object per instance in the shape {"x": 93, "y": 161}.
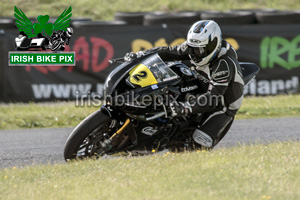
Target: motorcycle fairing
{"x": 118, "y": 74}
{"x": 150, "y": 71}
{"x": 142, "y": 76}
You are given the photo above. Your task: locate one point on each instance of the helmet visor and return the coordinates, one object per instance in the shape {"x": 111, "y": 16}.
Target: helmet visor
{"x": 198, "y": 53}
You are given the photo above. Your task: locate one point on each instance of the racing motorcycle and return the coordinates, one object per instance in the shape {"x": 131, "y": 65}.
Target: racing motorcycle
{"x": 57, "y": 42}
{"x": 135, "y": 117}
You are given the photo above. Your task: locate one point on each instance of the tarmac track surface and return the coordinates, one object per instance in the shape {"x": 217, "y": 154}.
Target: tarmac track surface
{"x": 45, "y": 146}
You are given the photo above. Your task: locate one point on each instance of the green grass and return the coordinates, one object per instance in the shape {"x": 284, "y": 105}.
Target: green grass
{"x": 275, "y": 106}
{"x": 65, "y": 114}
{"x": 245, "y": 172}
{"x": 42, "y": 115}
{"x": 105, "y": 9}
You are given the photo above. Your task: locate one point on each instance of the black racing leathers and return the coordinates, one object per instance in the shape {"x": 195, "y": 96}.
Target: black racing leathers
{"x": 221, "y": 78}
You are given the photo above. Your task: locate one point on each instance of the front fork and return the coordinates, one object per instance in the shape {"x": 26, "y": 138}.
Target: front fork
{"x": 107, "y": 144}
{"x": 113, "y": 113}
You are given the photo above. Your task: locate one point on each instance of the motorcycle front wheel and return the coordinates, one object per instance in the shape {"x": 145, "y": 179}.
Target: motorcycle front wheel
{"x": 85, "y": 140}
{"x": 55, "y": 45}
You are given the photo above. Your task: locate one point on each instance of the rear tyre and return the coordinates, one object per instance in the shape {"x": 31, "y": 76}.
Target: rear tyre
{"x": 158, "y": 18}
{"x": 241, "y": 17}
{"x": 84, "y": 141}
{"x": 131, "y": 17}
{"x": 44, "y": 44}
{"x": 280, "y": 17}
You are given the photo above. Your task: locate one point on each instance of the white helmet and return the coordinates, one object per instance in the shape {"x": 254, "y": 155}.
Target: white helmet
{"x": 69, "y": 32}
{"x": 204, "y": 41}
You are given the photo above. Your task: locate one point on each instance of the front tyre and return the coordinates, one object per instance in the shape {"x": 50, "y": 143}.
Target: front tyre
{"x": 84, "y": 141}
{"x": 55, "y": 45}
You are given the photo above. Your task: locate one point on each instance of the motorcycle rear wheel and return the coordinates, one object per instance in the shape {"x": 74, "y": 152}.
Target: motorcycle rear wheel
{"x": 84, "y": 141}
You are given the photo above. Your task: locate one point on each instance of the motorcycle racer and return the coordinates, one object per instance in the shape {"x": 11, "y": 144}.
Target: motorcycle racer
{"x": 60, "y": 35}
{"x": 219, "y": 73}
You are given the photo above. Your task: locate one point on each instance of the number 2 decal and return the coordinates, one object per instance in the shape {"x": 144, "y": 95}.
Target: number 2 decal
{"x": 140, "y": 75}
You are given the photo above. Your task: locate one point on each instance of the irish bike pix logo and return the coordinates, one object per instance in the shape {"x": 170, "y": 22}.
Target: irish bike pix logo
{"x": 42, "y": 43}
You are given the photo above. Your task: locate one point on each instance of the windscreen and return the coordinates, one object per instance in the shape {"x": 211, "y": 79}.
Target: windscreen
{"x": 159, "y": 69}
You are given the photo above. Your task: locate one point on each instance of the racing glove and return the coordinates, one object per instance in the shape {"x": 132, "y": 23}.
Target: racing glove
{"x": 131, "y": 56}
{"x": 180, "y": 109}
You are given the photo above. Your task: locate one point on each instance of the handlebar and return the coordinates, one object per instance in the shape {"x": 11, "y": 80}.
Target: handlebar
{"x": 120, "y": 60}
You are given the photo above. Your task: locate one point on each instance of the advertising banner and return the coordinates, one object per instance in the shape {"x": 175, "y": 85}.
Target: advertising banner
{"x": 276, "y": 49}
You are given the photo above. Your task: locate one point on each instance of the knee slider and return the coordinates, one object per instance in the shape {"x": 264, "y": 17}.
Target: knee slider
{"x": 202, "y": 138}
